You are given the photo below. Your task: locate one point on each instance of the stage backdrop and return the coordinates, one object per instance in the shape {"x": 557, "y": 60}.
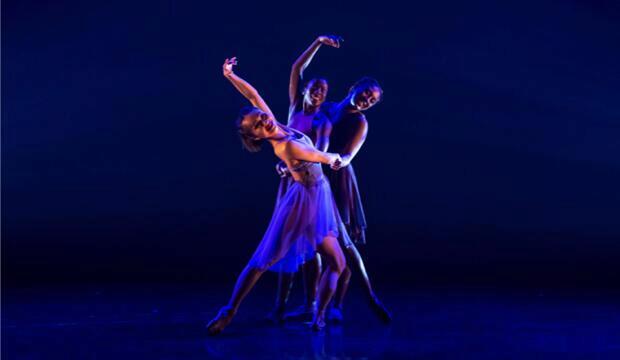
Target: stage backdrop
{"x": 494, "y": 157}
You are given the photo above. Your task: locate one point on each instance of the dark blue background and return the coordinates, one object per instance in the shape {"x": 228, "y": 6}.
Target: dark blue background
{"x": 493, "y": 159}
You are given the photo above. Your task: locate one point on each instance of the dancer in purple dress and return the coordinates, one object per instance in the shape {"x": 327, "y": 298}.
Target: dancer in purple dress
{"x": 305, "y": 115}
{"x": 347, "y": 134}
{"x": 305, "y": 220}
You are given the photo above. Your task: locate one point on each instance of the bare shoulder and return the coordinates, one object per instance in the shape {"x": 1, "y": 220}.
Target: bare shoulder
{"x": 280, "y": 149}
{"x": 360, "y": 122}
{"x": 285, "y": 148}
{"x": 362, "y": 118}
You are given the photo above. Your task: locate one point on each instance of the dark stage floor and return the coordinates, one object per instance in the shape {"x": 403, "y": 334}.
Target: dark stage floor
{"x": 167, "y": 322}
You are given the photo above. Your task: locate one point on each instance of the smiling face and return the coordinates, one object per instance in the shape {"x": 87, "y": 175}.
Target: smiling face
{"x": 315, "y": 92}
{"x": 258, "y": 125}
{"x": 365, "y": 97}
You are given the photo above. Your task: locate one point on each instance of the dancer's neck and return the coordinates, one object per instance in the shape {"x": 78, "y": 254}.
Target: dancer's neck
{"x": 347, "y": 107}
{"x": 309, "y": 109}
{"x": 282, "y": 132}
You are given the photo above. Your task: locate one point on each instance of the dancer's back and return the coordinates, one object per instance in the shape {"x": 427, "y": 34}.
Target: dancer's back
{"x": 307, "y": 173}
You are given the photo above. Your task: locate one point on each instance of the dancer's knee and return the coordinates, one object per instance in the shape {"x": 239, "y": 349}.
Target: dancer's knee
{"x": 339, "y": 264}
{"x": 346, "y": 273}
{"x": 255, "y": 269}
{"x": 333, "y": 255}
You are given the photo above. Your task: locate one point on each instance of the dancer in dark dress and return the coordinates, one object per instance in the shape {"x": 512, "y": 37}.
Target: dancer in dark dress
{"x": 305, "y": 115}
{"x": 305, "y": 220}
{"x": 346, "y": 137}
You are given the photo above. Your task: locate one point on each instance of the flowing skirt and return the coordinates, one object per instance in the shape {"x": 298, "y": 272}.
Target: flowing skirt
{"x": 347, "y": 196}
{"x": 304, "y": 215}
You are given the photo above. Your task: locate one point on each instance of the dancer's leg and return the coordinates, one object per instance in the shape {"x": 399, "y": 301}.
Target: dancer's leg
{"x": 285, "y": 284}
{"x": 356, "y": 262}
{"x": 245, "y": 282}
{"x": 334, "y": 258}
{"x": 343, "y": 286}
{"x": 311, "y": 271}
{"x": 311, "y": 274}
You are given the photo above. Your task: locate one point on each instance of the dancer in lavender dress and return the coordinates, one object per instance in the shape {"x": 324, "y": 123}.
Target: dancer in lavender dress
{"x": 305, "y": 115}
{"x": 346, "y": 137}
{"x": 304, "y": 221}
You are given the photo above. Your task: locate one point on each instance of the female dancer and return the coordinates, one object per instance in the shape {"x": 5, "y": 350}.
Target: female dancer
{"x": 346, "y": 137}
{"x": 305, "y": 219}
{"x": 306, "y": 117}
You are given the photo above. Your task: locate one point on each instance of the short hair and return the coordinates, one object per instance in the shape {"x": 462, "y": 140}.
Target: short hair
{"x": 365, "y": 83}
{"x": 313, "y": 80}
{"x": 249, "y": 142}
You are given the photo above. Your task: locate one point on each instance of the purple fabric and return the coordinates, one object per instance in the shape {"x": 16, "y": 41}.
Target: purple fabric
{"x": 303, "y": 217}
{"x": 305, "y": 213}
{"x": 347, "y": 196}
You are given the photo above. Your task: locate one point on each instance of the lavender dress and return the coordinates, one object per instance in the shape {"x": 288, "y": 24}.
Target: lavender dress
{"x": 321, "y": 117}
{"x": 304, "y": 215}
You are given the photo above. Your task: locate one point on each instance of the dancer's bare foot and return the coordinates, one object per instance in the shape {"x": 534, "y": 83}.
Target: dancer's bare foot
{"x": 318, "y": 323}
{"x": 303, "y": 313}
{"x": 380, "y": 310}
{"x": 223, "y": 319}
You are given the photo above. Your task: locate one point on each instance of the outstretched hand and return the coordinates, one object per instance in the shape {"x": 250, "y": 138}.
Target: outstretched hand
{"x": 227, "y": 68}
{"x": 331, "y": 40}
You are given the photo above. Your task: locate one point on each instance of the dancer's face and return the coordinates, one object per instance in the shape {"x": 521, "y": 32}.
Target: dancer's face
{"x": 259, "y": 124}
{"x": 315, "y": 92}
{"x": 365, "y": 98}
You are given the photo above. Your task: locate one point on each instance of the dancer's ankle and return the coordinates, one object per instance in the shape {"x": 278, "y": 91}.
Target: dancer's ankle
{"x": 230, "y": 310}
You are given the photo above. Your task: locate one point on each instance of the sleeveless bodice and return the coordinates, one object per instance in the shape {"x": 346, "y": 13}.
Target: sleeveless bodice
{"x": 309, "y": 124}
{"x": 310, "y": 173}
{"x": 344, "y": 127}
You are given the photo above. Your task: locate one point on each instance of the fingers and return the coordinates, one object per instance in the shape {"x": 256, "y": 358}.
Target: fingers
{"x": 279, "y": 170}
{"x": 227, "y": 68}
{"x": 335, "y": 165}
{"x": 335, "y": 40}
{"x": 231, "y": 61}
{"x": 339, "y": 163}
{"x": 282, "y": 170}
{"x": 331, "y": 40}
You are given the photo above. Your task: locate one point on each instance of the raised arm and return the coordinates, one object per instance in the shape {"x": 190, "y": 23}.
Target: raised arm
{"x": 298, "y": 151}
{"x": 247, "y": 90}
{"x": 354, "y": 145}
{"x": 302, "y": 62}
